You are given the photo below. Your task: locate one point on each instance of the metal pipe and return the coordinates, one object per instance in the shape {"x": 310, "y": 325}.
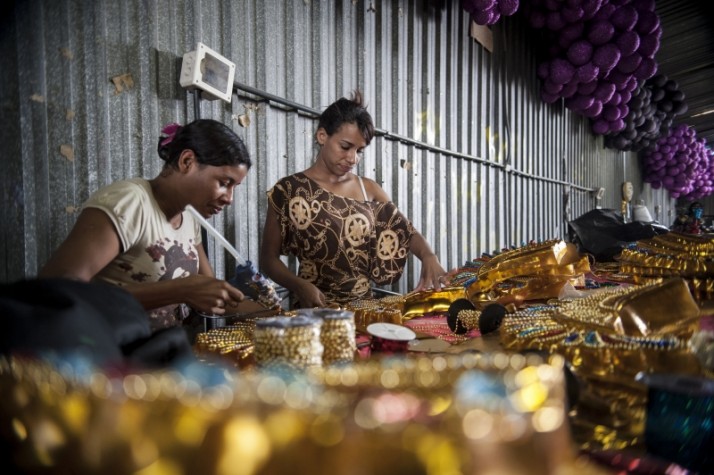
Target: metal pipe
{"x": 291, "y": 105}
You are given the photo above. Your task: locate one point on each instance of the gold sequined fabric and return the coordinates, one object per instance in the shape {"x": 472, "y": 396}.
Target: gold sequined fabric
{"x": 554, "y": 262}
{"x": 475, "y": 414}
{"x": 672, "y": 255}
{"x": 608, "y": 337}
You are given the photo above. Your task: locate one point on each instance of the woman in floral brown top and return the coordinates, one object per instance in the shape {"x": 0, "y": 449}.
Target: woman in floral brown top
{"x": 343, "y": 228}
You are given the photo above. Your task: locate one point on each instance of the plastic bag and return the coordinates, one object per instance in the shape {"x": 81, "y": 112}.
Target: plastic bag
{"x": 604, "y": 233}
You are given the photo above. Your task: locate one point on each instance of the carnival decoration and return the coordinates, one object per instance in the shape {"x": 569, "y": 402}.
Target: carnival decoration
{"x": 608, "y": 338}
{"x": 688, "y": 256}
{"x": 681, "y": 164}
{"x": 488, "y": 12}
{"x": 600, "y": 52}
{"x": 653, "y": 107}
{"x": 430, "y": 415}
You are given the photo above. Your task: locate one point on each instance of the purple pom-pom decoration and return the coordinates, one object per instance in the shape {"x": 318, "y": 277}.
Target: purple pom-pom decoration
{"x": 549, "y": 98}
{"x": 569, "y": 90}
{"x": 552, "y": 88}
{"x": 631, "y": 84}
{"x": 572, "y": 14}
{"x": 594, "y": 110}
{"x": 610, "y": 113}
{"x": 605, "y": 12}
{"x": 618, "y": 78}
{"x": 648, "y": 22}
{"x": 587, "y": 73}
{"x": 628, "y": 64}
{"x": 604, "y": 91}
{"x": 508, "y": 7}
{"x": 484, "y": 17}
{"x": 616, "y": 125}
{"x": 601, "y": 126}
{"x": 480, "y": 5}
{"x": 580, "y": 102}
{"x": 580, "y": 52}
{"x": 600, "y": 32}
{"x": 644, "y": 5}
{"x": 646, "y": 69}
{"x": 591, "y": 8}
{"x": 649, "y": 45}
{"x": 572, "y": 32}
{"x": 688, "y": 169}
{"x": 554, "y": 21}
{"x": 587, "y": 88}
{"x": 561, "y": 71}
{"x": 628, "y": 42}
{"x": 488, "y": 12}
{"x": 606, "y": 56}
{"x": 624, "y": 18}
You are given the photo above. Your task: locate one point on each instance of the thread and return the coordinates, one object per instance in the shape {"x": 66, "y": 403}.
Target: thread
{"x": 389, "y": 338}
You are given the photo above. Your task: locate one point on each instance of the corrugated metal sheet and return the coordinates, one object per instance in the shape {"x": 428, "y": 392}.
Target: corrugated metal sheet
{"x": 466, "y": 148}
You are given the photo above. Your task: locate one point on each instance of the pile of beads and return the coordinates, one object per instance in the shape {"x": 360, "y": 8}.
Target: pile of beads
{"x": 290, "y": 341}
{"x": 234, "y": 341}
{"x": 337, "y": 334}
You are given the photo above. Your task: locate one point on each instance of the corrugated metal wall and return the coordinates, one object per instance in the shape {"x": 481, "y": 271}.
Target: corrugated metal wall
{"x": 466, "y": 148}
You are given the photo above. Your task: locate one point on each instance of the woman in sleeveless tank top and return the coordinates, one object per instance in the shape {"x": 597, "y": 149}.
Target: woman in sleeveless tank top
{"x": 344, "y": 230}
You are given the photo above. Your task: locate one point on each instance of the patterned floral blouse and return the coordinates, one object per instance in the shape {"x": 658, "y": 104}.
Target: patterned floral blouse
{"x": 341, "y": 243}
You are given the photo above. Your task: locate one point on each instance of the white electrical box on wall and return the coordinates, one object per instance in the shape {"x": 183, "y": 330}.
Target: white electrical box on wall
{"x": 209, "y": 71}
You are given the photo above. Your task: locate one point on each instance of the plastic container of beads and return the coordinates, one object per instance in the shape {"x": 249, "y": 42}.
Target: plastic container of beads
{"x": 679, "y": 424}
{"x": 337, "y": 334}
{"x": 288, "y": 341}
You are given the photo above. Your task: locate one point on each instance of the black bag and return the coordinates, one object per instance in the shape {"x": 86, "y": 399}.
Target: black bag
{"x": 604, "y": 233}
{"x": 99, "y": 321}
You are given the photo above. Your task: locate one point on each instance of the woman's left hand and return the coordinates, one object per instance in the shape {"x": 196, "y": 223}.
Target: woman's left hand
{"x": 432, "y": 274}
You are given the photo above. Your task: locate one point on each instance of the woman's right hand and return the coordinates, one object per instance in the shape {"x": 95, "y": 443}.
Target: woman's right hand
{"x": 310, "y": 296}
{"x": 208, "y": 294}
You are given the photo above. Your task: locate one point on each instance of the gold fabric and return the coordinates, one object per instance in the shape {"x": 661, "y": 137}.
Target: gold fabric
{"x": 418, "y": 415}
{"x": 550, "y": 264}
{"x": 609, "y": 337}
{"x": 672, "y": 255}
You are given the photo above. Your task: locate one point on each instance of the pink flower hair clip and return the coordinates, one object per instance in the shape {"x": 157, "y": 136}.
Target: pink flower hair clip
{"x": 169, "y": 132}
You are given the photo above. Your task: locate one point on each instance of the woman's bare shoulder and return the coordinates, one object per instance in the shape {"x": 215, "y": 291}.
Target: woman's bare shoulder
{"x": 374, "y": 190}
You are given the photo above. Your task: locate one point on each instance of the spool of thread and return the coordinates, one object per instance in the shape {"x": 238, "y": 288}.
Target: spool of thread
{"x": 389, "y": 338}
{"x": 368, "y": 311}
{"x": 463, "y": 316}
{"x": 337, "y": 334}
{"x": 292, "y": 341}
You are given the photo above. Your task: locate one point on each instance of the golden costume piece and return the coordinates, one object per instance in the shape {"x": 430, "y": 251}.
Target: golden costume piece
{"x": 342, "y": 243}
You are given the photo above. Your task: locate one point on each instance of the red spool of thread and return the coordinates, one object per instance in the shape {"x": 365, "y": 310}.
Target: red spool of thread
{"x": 389, "y": 338}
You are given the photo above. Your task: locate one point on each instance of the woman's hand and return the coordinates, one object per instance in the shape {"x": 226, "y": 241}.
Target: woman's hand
{"x": 208, "y": 294}
{"x": 432, "y": 274}
{"x": 310, "y": 296}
